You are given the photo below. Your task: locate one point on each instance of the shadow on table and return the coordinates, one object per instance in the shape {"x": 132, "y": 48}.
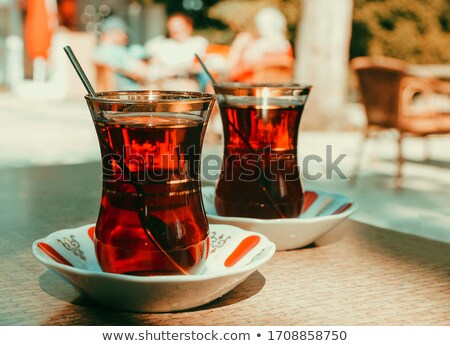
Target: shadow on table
{"x": 250, "y": 287}
{"x": 432, "y": 162}
{"x": 82, "y": 311}
{"x": 427, "y": 162}
{"x": 55, "y": 286}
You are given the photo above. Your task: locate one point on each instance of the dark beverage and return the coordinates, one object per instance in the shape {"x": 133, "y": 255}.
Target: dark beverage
{"x": 151, "y": 220}
{"x": 260, "y": 177}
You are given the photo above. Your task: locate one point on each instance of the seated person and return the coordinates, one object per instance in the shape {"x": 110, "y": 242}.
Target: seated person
{"x": 113, "y": 53}
{"x": 173, "y": 56}
{"x": 271, "y": 44}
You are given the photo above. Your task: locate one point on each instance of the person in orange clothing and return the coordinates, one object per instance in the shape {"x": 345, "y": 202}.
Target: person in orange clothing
{"x": 40, "y": 25}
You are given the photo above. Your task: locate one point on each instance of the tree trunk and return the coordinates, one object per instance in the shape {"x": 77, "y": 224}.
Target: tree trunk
{"x": 323, "y": 42}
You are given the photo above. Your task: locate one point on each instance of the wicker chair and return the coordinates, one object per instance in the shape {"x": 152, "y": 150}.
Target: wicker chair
{"x": 387, "y": 93}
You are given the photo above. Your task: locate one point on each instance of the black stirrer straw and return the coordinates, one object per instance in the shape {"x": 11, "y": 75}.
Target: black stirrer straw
{"x": 206, "y": 70}
{"x": 76, "y": 65}
{"x": 246, "y": 142}
{"x": 154, "y": 221}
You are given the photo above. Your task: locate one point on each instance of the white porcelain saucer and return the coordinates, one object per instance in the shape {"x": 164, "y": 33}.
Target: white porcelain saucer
{"x": 322, "y": 211}
{"x": 234, "y": 255}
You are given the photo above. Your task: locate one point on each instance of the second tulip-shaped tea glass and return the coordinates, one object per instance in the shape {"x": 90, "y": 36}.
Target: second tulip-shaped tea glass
{"x": 151, "y": 219}
{"x": 260, "y": 177}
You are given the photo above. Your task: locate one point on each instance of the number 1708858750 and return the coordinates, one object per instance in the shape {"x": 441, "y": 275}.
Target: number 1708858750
{"x": 307, "y": 335}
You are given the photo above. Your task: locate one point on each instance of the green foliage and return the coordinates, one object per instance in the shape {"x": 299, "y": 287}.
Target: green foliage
{"x": 417, "y": 31}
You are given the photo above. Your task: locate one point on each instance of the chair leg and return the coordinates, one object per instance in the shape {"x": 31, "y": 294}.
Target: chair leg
{"x": 399, "y": 161}
{"x": 359, "y": 155}
{"x": 427, "y": 148}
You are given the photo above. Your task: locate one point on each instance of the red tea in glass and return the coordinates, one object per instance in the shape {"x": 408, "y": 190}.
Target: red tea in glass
{"x": 151, "y": 219}
{"x": 260, "y": 177}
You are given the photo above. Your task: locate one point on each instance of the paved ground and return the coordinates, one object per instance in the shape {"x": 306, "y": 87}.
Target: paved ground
{"x": 45, "y": 133}
{"x": 53, "y": 133}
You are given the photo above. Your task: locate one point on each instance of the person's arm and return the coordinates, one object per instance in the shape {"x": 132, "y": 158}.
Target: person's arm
{"x": 236, "y": 62}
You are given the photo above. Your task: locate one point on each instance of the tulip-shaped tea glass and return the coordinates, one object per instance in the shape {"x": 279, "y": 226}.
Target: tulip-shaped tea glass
{"x": 260, "y": 177}
{"x": 151, "y": 219}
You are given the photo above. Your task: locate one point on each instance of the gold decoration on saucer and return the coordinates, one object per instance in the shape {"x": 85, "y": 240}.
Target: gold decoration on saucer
{"x": 73, "y": 246}
{"x": 217, "y": 241}
{"x": 258, "y": 255}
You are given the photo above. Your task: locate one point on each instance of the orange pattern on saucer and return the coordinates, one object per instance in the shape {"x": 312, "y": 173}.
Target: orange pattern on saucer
{"x": 52, "y": 253}
{"x": 91, "y": 233}
{"x": 242, "y": 249}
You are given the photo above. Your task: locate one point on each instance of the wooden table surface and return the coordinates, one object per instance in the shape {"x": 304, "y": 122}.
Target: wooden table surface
{"x": 371, "y": 276}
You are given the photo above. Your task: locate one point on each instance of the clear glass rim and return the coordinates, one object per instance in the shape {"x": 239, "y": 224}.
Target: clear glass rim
{"x": 273, "y": 86}
{"x": 172, "y": 96}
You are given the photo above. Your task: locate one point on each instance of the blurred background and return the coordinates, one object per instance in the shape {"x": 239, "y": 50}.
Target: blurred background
{"x": 380, "y": 71}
